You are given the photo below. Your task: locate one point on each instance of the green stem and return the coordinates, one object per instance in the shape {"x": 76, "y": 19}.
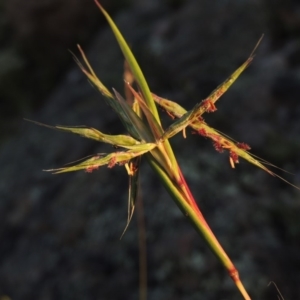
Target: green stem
{"x": 189, "y": 208}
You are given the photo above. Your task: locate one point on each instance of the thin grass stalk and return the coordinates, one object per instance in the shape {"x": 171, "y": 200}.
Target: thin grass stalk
{"x": 175, "y": 183}
{"x": 196, "y": 218}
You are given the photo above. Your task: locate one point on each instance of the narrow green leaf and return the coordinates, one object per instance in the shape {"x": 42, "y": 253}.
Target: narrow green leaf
{"x": 135, "y": 68}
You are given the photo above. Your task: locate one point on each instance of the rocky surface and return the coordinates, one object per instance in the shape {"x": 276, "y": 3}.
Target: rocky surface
{"x": 60, "y": 233}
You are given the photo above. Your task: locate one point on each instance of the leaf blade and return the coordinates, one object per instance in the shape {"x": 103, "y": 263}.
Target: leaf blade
{"x": 134, "y": 66}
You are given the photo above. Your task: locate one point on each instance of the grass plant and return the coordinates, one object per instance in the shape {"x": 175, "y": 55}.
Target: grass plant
{"x": 146, "y": 137}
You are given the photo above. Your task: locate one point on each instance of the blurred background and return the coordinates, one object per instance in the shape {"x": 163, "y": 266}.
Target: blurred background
{"x": 60, "y": 234}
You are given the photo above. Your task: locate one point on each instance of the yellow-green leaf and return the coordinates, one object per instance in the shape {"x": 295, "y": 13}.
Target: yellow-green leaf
{"x": 91, "y": 74}
{"x": 111, "y": 159}
{"x": 119, "y": 140}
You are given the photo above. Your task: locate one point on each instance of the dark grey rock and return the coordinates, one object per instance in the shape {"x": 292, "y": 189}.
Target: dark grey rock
{"x": 60, "y": 233}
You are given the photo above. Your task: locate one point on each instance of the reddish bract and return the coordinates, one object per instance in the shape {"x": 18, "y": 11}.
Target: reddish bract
{"x": 91, "y": 169}
{"x": 234, "y": 157}
{"x": 218, "y": 147}
{"x": 243, "y": 146}
{"x": 209, "y": 105}
{"x": 202, "y": 132}
{"x": 112, "y": 162}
